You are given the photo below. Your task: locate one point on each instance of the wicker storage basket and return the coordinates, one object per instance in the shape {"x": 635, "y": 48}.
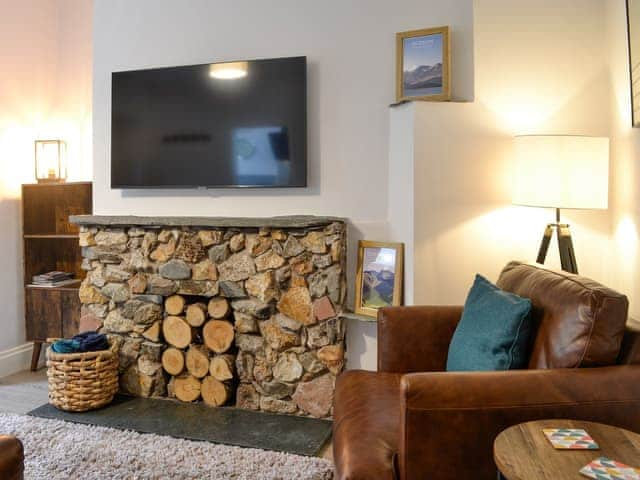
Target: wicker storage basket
{"x": 82, "y": 381}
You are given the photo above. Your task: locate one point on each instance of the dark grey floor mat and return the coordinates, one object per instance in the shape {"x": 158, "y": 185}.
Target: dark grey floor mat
{"x": 227, "y": 425}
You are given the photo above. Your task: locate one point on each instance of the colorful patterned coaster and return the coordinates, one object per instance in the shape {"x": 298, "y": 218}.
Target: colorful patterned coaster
{"x": 570, "y": 439}
{"x": 606, "y": 469}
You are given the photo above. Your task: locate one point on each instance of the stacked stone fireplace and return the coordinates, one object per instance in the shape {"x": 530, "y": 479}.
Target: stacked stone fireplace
{"x": 275, "y": 286}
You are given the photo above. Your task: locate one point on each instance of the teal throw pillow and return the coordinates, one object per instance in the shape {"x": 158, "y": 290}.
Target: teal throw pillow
{"x": 494, "y": 331}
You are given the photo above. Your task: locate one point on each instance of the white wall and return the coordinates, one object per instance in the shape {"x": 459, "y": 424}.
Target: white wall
{"x": 350, "y": 50}
{"x": 71, "y": 115}
{"x": 403, "y": 138}
{"x": 625, "y": 151}
{"x": 43, "y": 71}
{"x": 533, "y": 75}
{"x": 24, "y": 101}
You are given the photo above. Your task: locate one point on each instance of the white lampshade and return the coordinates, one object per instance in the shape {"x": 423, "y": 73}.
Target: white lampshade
{"x": 561, "y": 171}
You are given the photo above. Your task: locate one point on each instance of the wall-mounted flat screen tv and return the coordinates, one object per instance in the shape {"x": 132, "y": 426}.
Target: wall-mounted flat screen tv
{"x": 231, "y": 124}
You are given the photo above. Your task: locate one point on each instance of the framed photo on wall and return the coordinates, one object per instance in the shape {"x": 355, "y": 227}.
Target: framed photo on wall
{"x": 633, "y": 35}
{"x": 379, "y": 277}
{"x": 422, "y": 65}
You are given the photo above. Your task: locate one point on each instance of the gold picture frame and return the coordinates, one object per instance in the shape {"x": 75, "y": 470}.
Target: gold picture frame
{"x": 418, "y": 53}
{"x": 380, "y": 268}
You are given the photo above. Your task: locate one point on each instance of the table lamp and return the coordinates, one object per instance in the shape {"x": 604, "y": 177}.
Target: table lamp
{"x": 50, "y": 161}
{"x": 561, "y": 171}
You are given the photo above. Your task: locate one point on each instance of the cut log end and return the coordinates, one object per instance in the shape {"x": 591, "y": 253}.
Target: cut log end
{"x": 218, "y": 307}
{"x": 174, "y": 305}
{"x": 222, "y": 367}
{"x": 196, "y": 314}
{"x": 153, "y": 332}
{"x": 177, "y": 332}
{"x": 218, "y": 335}
{"x": 186, "y": 388}
{"x": 173, "y": 361}
{"x": 197, "y": 360}
{"x": 214, "y": 392}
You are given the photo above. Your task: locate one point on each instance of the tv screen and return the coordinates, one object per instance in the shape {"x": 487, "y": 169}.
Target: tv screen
{"x": 232, "y": 124}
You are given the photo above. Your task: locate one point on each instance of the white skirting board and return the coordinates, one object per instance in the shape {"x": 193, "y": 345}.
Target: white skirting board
{"x": 16, "y": 359}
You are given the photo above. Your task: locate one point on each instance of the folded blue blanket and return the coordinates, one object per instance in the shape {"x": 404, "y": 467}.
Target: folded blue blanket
{"x": 83, "y": 342}
{"x": 65, "y": 346}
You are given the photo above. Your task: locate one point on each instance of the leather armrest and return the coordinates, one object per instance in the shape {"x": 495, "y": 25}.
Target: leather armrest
{"x": 416, "y": 338}
{"x": 11, "y": 458}
{"x": 449, "y": 420}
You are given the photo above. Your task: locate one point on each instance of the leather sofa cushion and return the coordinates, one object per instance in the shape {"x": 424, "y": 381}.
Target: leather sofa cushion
{"x": 366, "y": 424}
{"x": 580, "y": 323}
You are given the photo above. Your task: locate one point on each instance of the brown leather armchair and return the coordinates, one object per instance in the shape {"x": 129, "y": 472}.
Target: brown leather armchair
{"x": 11, "y": 458}
{"x": 413, "y": 420}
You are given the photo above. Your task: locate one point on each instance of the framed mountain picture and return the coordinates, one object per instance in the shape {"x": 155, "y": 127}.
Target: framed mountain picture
{"x": 422, "y": 65}
{"x": 379, "y": 278}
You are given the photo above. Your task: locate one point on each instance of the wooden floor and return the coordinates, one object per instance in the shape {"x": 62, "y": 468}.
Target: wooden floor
{"x": 22, "y": 392}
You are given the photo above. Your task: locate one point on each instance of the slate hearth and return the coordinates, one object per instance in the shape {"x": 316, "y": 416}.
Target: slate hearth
{"x": 284, "y": 278}
{"x": 227, "y": 425}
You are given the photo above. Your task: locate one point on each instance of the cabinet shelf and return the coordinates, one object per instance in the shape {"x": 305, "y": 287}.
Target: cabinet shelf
{"x": 65, "y": 288}
{"x": 52, "y": 235}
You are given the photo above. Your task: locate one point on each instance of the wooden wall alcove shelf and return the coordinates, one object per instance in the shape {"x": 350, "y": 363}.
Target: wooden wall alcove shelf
{"x": 51, "y": 243}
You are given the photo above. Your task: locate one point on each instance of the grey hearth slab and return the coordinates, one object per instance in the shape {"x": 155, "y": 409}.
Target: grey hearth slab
{"x": 226, "y": 425}
{"x": 290, "y": 221}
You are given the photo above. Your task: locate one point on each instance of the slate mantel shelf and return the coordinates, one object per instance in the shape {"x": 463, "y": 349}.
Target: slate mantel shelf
{"x": 290, "y": 221}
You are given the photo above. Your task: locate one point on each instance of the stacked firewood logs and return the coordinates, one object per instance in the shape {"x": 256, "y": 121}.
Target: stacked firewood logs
{"x": 200, "y": 356}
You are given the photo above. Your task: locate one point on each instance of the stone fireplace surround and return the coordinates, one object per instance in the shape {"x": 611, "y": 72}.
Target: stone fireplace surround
{"x": 284, "y": 278}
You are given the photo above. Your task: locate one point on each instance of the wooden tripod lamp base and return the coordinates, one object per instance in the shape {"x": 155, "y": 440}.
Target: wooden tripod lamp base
{"x": 565, "y": 244}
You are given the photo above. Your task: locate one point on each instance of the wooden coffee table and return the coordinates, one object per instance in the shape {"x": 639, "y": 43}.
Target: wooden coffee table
{"x": 522, "y": 452}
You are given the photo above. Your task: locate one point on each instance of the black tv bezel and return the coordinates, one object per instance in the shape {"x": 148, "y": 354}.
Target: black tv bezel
{"x": 305, "y": 182}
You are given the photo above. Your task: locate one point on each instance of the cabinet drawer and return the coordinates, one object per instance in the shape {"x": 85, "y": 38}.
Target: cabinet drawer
{"x": 43, "y": 314}
{"x": 70, "y": 313}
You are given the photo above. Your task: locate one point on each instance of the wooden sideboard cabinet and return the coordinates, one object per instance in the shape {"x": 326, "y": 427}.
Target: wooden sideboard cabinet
{"x": 51, "y": 243}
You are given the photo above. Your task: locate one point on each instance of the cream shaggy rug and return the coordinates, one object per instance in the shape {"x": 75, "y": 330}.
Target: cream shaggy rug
{"x": 57, "y": 450}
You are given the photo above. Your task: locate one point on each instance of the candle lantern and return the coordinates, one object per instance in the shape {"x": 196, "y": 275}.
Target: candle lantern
{"x": 51, "y": 156}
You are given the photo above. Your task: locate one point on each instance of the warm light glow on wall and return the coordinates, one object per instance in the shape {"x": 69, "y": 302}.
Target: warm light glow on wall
{"x": 517, "y": 115}
{"x": 76, "y": 132}
{"x": 17, "y": 150}
{"x": 16, "y": 159}
{"x": 228, "y": 70}
{"x": 626, "y": 237}
{"x": 515, "y": 228}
